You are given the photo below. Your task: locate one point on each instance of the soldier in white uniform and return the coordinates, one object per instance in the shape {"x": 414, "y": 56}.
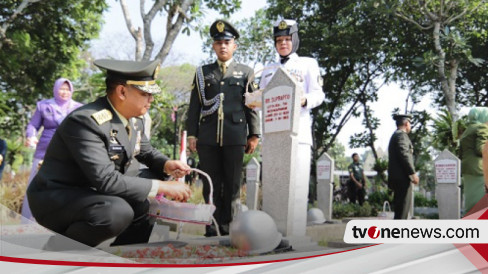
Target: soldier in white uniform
{"x": 305, "y": 72}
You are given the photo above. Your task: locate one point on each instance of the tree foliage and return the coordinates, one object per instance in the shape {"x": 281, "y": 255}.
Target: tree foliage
{"x": 255, "y": 44}
{"x": 438, "y": 37}
{"x": 44, "y": 43}
{"x": 350, "y": 40}
{"x": 179, "y": 15}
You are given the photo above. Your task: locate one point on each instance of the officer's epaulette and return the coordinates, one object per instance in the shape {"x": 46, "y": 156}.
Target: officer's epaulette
{"x": 102, "y": 116}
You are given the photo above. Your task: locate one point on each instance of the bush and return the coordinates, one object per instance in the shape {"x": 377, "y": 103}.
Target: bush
{"x": 378, "y": 198}
{"x": 345, "y": 210}
{"x": 421, "y": 201}
{"x": 12, "y": 190}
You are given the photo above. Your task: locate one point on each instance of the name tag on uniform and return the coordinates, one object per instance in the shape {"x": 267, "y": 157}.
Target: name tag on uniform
{"x": 115, "y": 148}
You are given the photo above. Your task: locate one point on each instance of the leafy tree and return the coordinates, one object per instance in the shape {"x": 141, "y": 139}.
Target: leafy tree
{"x": 175, "y": 82}
{"x": 8, "y": 19}
{"x": 255, "y": 45}
{"x": 353, "y": 72}
{"x": 446, "y": 132}
{"x": 436, "y": 35}
{"x": 42, "y": 43}
{"x": 180, "y": 15}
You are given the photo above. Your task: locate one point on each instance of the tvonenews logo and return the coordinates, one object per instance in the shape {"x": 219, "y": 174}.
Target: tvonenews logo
{"x": 416, "y": 231}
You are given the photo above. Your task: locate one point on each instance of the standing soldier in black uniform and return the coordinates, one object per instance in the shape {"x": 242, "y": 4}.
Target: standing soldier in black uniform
{"x": 401, "y": 171}
{"x": 89, "y": 187}
{"x": 357, "y": 181}
{"x": 219, "y": 125}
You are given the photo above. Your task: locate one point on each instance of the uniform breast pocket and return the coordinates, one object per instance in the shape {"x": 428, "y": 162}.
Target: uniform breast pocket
{"x": 116, "y": 153}
{"x": 236, "y": 90}
{"x": 238, "y": 117}
{"x": 210, "y": 81}
{"x": 236, "y": 82}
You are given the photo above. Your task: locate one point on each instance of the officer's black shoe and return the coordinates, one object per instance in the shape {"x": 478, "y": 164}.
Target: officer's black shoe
{"x": 224, "y": 230}
{"x": 210, "y": 231}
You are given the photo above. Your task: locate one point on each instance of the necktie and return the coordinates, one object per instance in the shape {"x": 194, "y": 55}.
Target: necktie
{"x": 224, "y": 68}
{"x": 284, "y": 60}
{"x": 127, "y": 128}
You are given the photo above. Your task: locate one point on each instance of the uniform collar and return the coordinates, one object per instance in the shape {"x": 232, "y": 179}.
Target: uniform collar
{"x": 227, "y": 63}
{"x": 124, "y": 120}
{"x": 292, "y": 56}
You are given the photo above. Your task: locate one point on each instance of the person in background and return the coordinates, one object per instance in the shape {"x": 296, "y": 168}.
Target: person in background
{"x": 472, "y": 142}
{"x": 401, "y": 170}
{"x": 357, "y": 181}
{"x": 49, "y": 114}
{"x": 3, "y": 156}
{"x": 305, "y": 71}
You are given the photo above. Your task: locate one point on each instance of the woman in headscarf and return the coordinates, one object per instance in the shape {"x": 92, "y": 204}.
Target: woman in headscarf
{"x": 472, "y": 142}
{"x": 306, "y": 73}
{"x": 49, "y": 114}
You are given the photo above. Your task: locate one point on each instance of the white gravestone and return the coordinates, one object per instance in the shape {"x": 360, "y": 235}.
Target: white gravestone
{"x": 281, "y": 111}
{"x": 448, "y": 178}
{"x": 325, "y": 187}
{"x": 252, "y": 183}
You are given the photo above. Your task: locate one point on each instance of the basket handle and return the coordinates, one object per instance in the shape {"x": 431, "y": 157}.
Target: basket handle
{"x": 210, "y": 198}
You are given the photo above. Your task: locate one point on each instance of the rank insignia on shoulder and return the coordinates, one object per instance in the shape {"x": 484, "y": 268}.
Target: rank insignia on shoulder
{"x": 102, "y": 116}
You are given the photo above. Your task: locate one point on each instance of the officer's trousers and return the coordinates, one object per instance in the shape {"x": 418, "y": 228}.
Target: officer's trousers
{"x": 92, "y": 217}
{"x": 224, "y": 166}
{"x": 402, "y": 201}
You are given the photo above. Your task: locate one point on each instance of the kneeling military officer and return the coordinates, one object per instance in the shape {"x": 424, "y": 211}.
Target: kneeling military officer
{"x": 89, "y": 187}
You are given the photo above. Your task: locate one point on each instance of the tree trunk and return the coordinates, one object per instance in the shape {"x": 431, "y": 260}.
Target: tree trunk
{"x": 448, "y": 84}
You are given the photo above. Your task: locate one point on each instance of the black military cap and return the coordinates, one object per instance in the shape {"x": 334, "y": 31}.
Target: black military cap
{"x": 397, "y": 117}
{"x": 284, "y": 27}
{"x": 223, "y": 30}
{"x": 140, "y": 74}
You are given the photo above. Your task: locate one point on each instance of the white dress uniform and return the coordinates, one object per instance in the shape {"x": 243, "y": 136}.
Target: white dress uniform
{"x": 306, "y": 73}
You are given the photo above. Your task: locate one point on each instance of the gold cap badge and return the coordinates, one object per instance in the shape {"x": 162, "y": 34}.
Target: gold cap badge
{"x": 283, "y": 25}
{"x": 220, "y": 26}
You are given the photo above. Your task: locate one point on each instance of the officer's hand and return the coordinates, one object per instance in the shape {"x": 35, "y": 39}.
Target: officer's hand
{"x": 251, "y": 145}
{"x": 179, "y": 191}
{"x": 1, "y": 159}
{"x": 303, "y": 101}
{"x": 177, "y": 169}
{"x": 192, "y": 144}
{"x": 415, "y": 180}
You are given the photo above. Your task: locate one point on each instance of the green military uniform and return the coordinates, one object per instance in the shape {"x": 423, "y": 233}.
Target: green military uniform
{"x": 472, "y": 142}
{"x": 221, "y": 122}
{"x": 88, "y": 187}
{"x": 355, "y": 193}
{"x": 400, "y": 167}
